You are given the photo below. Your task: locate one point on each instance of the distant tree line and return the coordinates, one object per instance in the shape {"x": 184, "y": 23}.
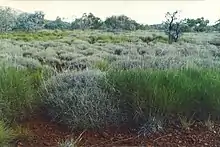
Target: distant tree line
{"x": 12, "y": 21}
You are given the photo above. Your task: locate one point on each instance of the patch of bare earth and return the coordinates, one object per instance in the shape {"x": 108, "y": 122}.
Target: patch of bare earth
{"x": 48, "y": 134}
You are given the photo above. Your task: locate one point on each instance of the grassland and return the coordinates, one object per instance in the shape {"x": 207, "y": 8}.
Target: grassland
{"x": 92, "y": 79}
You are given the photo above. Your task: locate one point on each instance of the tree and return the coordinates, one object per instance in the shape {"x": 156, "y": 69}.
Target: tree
{"x": 121, "y": 22}
{"x": 30, "y": 22}
{"x": 57, "y": 24}
{"x": 94, "y": 22}
{"x": 197, "y": 25}
{"x": 173, "y": 27}
{"x": 87, "y": 22}
{"x": 7, "y": 19}
{"x": 216, "y": 26}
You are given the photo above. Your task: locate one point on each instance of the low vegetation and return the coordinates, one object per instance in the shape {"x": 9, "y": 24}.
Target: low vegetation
{"x": 90, "y": 79}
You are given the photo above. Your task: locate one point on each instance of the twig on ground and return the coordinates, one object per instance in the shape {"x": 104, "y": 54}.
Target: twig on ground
{"x": 104, "y": 142}
{"x": 161, "y": 137}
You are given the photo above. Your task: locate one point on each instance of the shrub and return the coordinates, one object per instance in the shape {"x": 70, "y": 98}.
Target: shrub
{"x": 153, "y": 38}
{"x": 18, "y": 92}
{"x": 69, "y": 56}
{"x": 166, "y": 92}
{"x": 167, "y": 62}
{"x": 24, "y": 62}
{"x": 215, "y": 42}
{"x": 77, "y": 100}
{"x": 128, "y": 64}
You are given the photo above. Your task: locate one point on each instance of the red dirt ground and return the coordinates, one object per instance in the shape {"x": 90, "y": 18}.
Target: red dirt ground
{"x": 48, "y": 134}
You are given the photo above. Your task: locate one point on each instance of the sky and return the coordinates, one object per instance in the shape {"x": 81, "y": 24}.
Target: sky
{"x": 145, "y": 11}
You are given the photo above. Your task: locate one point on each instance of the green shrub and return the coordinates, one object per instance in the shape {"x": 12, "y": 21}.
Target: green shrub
{"x": 167, "y": 92}
{"x": 18, "y": 92}
{"x": 40, "y": 35}
{"x": 77, "y": 100}
{"x": 112, "y": 39}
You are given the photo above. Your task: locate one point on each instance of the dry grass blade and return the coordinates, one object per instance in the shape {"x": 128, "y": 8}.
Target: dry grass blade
{"x": 209, "y": 124}
{"x": 185, "y": 122}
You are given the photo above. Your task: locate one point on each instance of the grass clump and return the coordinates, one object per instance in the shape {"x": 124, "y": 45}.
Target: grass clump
{"x": 6, "y": 135}
{"x": 22, "y": 133}
{"x": 71, "y": 142}
{"x": 154, "y": 38}
{"x": 102, "y": 65}
{"x": 167, "y": 92}
{"x": 77, "y": 100}
{"x": 18, "y": 92}
{"x": 68, "y": 143}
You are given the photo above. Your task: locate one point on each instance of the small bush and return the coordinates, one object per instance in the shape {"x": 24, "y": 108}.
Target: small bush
{"x": 215, "y": 42}
{"x": 24, "y": 62}
{"x": 77, "y": 100}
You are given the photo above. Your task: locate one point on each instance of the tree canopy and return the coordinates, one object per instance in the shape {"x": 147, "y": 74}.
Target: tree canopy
{"x": 10, "y": 20}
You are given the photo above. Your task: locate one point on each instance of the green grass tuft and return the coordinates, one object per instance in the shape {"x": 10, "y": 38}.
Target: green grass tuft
{"x": 6, "y": 135}
{"x": 18, "y": 92}
{"x": 167, "y": 92}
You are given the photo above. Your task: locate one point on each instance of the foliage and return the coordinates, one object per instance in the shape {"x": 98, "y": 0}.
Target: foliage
{"x": 197, "y": 25}
{"x": 22, "y": 133}
{"x": 29, "y": 36}
{"x": 68, "y": 143}
{"x": 166, "y": 92}
{"x": 57, "y": 24}
{"x": 108, "y": 39}
{"x": 12, "y": 20}
{"x": 7, "y": 19}
{"x": 71, "y": 142}
{"x": 77, "y": 100}
{"x": 102, "y": 65}
{"x": 87, "y": 22}
{"x": 152, "y": 125}
{"x": 6, "y": 135}
{"x": 18, "y": 92}
{"x": 121, "y": 22}
{"x": 153, "y": 38}
{"x": 30, "y": 22}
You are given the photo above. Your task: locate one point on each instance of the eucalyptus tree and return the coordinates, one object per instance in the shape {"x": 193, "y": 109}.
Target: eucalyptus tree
{"x": 7, "y": 19}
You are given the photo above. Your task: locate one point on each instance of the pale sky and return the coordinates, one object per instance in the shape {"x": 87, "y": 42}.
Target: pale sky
{"x": 145, "y": 11}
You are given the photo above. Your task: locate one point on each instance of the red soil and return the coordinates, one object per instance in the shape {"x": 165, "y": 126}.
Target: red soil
{"x": 48, "y": 134}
